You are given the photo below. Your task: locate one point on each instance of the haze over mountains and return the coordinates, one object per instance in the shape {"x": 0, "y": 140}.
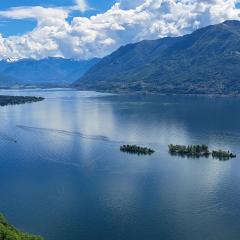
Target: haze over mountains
{"x": 47, "y": 72}
{"x": 204, "y": 62}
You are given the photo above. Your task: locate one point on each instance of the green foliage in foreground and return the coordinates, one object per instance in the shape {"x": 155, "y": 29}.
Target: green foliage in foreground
{"x": 8, "y": 232}
{"x": 136, "y": 149}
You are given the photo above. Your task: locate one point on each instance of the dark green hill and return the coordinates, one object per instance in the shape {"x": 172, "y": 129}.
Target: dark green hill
{"x": 204, "y": 62}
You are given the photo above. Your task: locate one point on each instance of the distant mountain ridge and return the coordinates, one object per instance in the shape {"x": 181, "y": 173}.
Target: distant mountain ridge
{"x": 46, "y": 72}
{"x": 204, "y": 62}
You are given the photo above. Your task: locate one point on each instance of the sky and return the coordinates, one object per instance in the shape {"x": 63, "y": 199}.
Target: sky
{"x": 84, "y": 29}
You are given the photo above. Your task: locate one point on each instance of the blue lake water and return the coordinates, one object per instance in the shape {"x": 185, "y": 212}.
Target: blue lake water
{"x": 66, "y": 179}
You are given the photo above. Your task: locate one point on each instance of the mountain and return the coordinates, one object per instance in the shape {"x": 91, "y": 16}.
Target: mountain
{"x": 46, "y": 72}
{"x": 7, "y": 81}
{"x": 204, "y": 62}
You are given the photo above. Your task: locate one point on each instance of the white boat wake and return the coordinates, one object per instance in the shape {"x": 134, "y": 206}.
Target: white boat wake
{"x": 65, "y": 132}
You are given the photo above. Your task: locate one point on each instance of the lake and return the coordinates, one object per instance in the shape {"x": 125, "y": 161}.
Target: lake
{"x": 66, "y": 179}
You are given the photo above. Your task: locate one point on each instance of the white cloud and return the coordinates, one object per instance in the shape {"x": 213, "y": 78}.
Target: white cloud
{"x": 82, "y": 5}
{"x": 127, "y": 21}
{"x": 44, "y": 16}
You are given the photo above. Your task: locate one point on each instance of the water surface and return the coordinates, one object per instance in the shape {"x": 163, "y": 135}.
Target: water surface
{"x": 66, "y": 179}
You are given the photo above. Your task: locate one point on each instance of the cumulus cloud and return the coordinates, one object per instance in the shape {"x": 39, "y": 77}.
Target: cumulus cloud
{"x": 126, "y": 22}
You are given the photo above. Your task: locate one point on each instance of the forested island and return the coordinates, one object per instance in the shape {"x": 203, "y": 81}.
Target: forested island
{"x": 191, "y": 150}
{"x": 14, "y": 100}
{"x": 136, "y": 149}
{"x": 196, "y": 151}
{"x": 8, "y": 232}
{"x": 222, "y": 155}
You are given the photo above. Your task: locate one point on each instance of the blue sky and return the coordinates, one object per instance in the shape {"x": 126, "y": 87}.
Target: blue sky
{"x": 15, "y": 27}
{"x": 100, "y": 5}
{"x": 84, "y": 29}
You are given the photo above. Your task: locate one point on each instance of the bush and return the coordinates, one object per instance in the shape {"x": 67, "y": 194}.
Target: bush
{"x": 8, "y": 232}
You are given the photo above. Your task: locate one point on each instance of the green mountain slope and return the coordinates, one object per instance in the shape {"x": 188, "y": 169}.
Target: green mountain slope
{"x": 204, "y": 62}
{"x": 8, "y": 232}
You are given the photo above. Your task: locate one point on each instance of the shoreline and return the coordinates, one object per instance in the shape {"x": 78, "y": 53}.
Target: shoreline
{"x": 163, "y": 94}
{"x": 212, "y": 95}
{"x": 6, "y": 100}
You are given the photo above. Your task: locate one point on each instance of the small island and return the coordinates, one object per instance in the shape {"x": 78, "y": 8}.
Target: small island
{"x": 136, "y": 150}
{"x": 223, "y": 155}
{"x": 189, "y": 151}
{"x": 14, "y": 100}
{"x": 8, "y": 232}
{"x": 196, "y": 151}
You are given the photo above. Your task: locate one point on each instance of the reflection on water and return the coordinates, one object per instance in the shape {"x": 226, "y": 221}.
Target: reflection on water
{"x": 62, "y": 174}
{"x": 6, "y": 137}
